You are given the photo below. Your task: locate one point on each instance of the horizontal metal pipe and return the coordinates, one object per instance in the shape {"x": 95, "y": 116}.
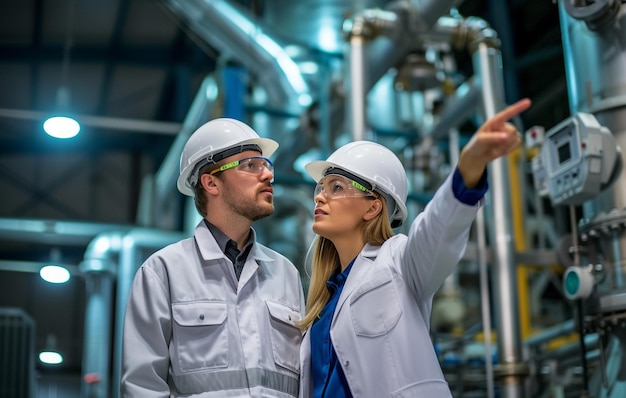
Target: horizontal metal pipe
{"x": 53, "y": 232}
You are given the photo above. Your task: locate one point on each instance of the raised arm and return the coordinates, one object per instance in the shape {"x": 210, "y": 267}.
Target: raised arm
{"x": 495, "y": 138}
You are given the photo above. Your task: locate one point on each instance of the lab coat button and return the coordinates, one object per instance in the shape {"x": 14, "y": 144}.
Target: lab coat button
{"x": 346, "y": 363}
{"x": 201, "y": 317}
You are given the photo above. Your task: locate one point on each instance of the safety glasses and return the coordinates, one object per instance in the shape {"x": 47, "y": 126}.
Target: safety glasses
{"x": 337, "y": 186}
{"x": 253, "y": 165}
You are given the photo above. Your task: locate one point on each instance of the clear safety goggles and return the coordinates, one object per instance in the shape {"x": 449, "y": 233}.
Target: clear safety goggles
{"x": 253, "y": 165}
{"x": 336, "y": 186}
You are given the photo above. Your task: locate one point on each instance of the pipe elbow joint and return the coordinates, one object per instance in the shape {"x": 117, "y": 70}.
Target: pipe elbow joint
{"x": 370, "y": 24}
{"x": 472, "y": 32}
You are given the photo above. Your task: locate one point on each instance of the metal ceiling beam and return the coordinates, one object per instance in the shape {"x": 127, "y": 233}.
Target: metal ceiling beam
{"x": 111, "y": 123}
{"x": 147, "y": 54}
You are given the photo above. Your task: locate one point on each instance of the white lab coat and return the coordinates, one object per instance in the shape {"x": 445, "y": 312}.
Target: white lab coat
{"x": 380, "y": 328}
{"x": 192, "y": 330}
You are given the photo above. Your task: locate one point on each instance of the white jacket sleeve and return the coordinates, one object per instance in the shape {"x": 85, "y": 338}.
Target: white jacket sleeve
{"x": 436, "y": 241}
{"x": 147, "y": 332}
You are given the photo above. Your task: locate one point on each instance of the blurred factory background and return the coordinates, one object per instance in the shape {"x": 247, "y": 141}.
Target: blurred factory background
{"x": 544, "y": 268}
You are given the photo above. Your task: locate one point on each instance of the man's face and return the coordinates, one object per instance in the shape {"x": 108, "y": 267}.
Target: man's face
{"x": 247, "y": 188}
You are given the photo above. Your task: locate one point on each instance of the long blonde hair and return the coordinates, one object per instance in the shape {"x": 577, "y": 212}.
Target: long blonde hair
{"x": 326, "y": 262}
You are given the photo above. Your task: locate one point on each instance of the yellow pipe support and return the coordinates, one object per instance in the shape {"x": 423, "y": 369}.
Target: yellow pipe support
{"x": 516, "y": 160}
{"x": 519, "y": 238}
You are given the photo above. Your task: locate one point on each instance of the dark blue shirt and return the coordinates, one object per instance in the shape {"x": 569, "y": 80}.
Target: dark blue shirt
{"x": 328, "y": 377}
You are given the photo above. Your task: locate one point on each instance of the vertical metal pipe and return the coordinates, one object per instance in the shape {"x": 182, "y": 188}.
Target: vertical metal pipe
{"x": 357, "y": 86}
{"x": 96, "y": 345}
{"x": 451, "y": 283}
{"x": 99, "y": 268}
{"x": 484, "y": 298}
{"x": 487, "y": 62}
{"x": 505, "y": 33}
{"x": 324, "y": 107}
{"x": 571, "y": 72}
{"x": 136, "y": 246}
{"x": 617, "y": 259}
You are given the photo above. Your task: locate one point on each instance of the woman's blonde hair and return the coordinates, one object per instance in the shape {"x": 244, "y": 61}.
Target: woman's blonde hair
{"x": 326, "y": 262}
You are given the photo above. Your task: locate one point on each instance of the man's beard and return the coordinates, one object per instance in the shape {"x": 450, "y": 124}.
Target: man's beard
{"x": 249, "y": 206}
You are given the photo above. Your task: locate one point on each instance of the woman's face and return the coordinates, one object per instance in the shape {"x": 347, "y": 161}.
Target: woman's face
{"x": 340, "y": 207}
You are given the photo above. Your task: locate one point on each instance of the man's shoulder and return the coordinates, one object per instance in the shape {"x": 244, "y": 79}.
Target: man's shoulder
{"x": 183, "y": 247}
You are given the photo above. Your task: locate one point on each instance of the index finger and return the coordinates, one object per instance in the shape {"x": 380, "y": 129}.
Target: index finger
{"x": 511, "y": 111}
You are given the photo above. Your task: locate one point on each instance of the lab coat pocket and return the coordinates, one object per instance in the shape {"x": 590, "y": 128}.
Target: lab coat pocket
{"x": 200, "y": 334}
{"x": 286, "y": 336}
{"x": 374, "y": 306}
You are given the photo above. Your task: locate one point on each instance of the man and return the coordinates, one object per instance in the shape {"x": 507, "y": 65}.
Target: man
{"x": 215, "y": 315}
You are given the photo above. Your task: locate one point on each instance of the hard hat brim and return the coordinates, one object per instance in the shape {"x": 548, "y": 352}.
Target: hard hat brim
{"x": 317, "y": 168}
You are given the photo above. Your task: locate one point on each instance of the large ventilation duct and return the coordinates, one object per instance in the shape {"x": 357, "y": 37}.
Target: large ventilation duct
{"x": 234, "y": 34}
{"x": 160, "y": 201}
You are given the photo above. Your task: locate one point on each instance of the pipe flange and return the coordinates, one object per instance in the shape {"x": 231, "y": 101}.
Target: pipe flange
{"x": 511, "y": 369}
{"x": 603, "y": 225}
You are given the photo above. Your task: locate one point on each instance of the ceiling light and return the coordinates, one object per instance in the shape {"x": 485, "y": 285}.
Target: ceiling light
{"x": 50, "y": 355}
{"x": 61, "y": 127}
{"x": 54, "y": 274}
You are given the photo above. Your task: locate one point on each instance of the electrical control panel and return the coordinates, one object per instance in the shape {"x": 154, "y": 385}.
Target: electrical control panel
{"x": 579, "y": 158}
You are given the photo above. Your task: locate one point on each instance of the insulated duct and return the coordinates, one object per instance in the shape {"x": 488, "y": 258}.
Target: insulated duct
{"x": 234, "y": 35}
{"x": 160, "y": 201}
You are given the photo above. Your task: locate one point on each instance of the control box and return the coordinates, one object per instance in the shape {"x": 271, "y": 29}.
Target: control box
{"x": 579, "y": 158}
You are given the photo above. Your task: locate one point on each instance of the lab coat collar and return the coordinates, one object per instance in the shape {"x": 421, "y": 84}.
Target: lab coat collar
{"x": 210, "y": 250}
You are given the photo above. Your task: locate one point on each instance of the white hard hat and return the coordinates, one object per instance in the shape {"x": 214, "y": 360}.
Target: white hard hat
{"x": 214, "y": 141}
{"x": 374, "y": 164}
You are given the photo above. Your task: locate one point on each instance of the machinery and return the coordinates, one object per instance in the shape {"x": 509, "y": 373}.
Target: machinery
{"x": 578, "y": 159}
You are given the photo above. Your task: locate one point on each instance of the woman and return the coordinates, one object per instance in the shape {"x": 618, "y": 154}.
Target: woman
{"x": 370, "y": 296}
